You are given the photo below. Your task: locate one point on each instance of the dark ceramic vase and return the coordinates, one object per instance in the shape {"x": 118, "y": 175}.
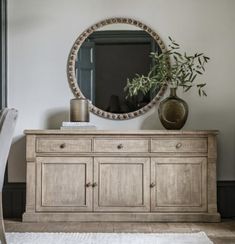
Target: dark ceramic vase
{"x": 173, "y": 111}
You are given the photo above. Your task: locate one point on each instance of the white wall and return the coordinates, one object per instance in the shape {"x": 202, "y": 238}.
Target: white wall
{"x": 41, "y": 33}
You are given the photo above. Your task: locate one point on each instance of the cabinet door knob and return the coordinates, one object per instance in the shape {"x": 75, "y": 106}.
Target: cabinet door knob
{"x": 94, "y": 184}
{"x": 62, "y": 145}
{"x": 152, "y": 185}
{"x": 178, "y": 145}
{"x": 88, "y": 184}
{"x": 119, "y": 146}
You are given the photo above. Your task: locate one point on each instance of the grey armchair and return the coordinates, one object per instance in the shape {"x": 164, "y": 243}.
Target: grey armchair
{"x": 8, "y": 119}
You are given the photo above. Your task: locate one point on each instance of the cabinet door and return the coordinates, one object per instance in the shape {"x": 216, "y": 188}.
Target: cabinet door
{"x": 122, "y": 184}
{"x": 62, "y": 184}
{"x": 179, "y": 184}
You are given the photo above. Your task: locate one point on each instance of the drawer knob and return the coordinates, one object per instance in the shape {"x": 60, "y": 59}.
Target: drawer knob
{"x": 88, "y": 184}
{"x": 152, "y": 185}
{"x": 178, "y": 145}
{"x": 62, "y": 145}
{"x": 94, "y": 184}
{"x": 120, "y": 146}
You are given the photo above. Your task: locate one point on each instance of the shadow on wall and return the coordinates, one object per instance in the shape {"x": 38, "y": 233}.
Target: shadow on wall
{"x": 54, "y": 118}
{"x": 152, "y": 122}
{"x": 17, "y": 159}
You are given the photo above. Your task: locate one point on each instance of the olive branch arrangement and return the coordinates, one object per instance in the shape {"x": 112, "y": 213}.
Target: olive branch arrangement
{"x": 170, "y": 68}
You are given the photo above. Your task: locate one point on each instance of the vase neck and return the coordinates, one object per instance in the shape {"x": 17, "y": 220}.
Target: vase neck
{"x": 173, "y": 92}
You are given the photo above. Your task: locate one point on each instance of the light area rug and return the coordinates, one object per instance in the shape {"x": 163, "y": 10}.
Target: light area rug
{"x": 108, "y": 238}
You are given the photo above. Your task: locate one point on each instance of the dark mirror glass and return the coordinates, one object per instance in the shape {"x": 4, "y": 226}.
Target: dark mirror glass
{"x": 106, "y": 59}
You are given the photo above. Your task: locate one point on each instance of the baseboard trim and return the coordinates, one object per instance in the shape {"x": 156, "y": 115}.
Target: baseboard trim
{"x": 226, "y": 198}
{"x": 14, "y": 198}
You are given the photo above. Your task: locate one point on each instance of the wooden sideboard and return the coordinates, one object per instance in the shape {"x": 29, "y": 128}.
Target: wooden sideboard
{"x": 144, "y": 175}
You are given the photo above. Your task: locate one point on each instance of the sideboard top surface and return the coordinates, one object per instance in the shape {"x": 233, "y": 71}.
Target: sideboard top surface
{"x": 121, "y": 132}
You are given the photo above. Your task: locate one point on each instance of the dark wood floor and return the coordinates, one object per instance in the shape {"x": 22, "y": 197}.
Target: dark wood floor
{"x": 219, "y": 233}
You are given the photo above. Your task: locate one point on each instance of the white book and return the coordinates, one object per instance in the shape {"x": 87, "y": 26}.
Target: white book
{"x": 77, "y": 124}
{"x": 78, "y": 128}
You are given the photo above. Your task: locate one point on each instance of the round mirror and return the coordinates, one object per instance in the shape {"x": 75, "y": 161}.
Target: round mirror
{"x": 104, "y": 57}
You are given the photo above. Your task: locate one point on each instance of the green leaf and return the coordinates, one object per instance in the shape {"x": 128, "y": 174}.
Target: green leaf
{"x": 170, "y": 38}
{"x": 204, "y": 93}
{"x": 199, "y": 72}
{"x": 201, "y": 85}
{"x": 199, "y": 60}
{"x": 187, "y": 88}
{"x": 182, "y": 71}
{"x": 176, "y": 44}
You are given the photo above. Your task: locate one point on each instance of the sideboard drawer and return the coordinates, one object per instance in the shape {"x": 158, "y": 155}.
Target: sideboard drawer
{"x": 121, "y": 145}
{"x": 179, "y": 145}
{"x": 50, "y": 145}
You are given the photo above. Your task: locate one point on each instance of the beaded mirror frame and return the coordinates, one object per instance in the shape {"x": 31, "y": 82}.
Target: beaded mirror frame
{"x": 72, "y": 75}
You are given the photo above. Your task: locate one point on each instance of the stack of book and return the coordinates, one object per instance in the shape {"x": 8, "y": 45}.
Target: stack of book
{"x": 77, "y": 126}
